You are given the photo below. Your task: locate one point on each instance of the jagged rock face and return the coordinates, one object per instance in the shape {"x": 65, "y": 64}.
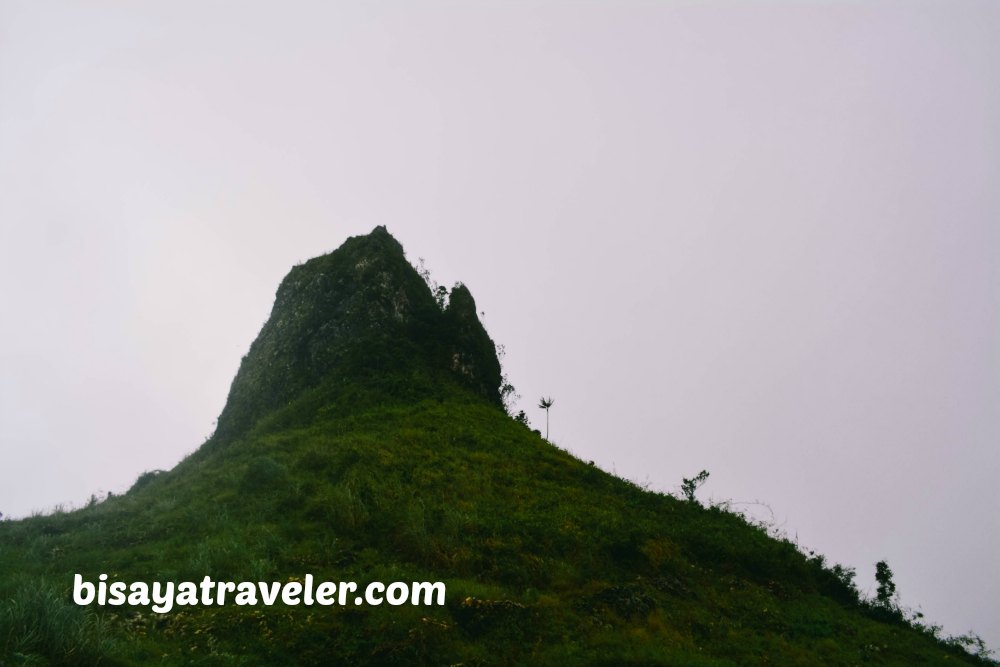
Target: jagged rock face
{"x": 472, "y": 353}
{"x": 354, "y": 315}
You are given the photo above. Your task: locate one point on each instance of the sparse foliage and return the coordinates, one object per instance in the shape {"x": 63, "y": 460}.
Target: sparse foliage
{"x": 690, "y": 486}
{"x": 508, "y": 394}
{"x": 440, "y": 292}
{"x": 974, "y": 645}
{"x": 441, "y": 296}
{"x": 546, "y": 403}
{"x": 425, "y": 273}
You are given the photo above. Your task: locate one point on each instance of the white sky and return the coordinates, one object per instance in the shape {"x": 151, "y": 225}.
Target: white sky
{"x": 759, "y": 238}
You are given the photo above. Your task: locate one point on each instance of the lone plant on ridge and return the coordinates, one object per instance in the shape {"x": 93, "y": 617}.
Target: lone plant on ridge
{"x": 545, "y": 404}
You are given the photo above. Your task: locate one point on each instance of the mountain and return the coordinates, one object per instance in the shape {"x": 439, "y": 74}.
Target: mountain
{"x": 365, "y": 439}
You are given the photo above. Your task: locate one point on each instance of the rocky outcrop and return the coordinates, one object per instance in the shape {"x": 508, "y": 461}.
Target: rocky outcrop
{"x": 360, "y": 314}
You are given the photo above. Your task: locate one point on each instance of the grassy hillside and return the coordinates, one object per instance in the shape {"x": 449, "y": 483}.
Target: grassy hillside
{"x": 547, "y": 560}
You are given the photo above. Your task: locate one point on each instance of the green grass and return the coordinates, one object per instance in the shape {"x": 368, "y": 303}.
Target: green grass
{"x": 364, "y": 440}
{"x": 548, "y": 560}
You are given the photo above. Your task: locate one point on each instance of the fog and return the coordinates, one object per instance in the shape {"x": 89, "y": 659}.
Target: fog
{"x": 756, "y": 238}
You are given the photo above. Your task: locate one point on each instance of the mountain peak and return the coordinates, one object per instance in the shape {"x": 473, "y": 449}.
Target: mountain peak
{"x": 360, "y": 320}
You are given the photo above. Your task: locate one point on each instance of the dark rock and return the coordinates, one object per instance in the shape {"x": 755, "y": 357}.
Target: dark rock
{"x": 359, "y": 317}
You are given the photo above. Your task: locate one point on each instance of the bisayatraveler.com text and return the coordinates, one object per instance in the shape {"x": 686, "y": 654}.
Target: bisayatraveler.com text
{"x": 161, "y": 597}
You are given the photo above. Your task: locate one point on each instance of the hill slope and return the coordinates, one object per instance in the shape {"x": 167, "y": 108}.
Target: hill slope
{"x": 364, "y": 440}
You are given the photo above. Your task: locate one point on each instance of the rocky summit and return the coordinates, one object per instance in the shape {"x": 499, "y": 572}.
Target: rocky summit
{"x": 360, "y": 317}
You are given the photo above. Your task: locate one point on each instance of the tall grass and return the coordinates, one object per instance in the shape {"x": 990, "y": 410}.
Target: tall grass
{"x": 39, "y": 627}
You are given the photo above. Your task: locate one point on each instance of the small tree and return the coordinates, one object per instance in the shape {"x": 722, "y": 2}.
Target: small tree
{"x": 439, "y": 292}
{"x": 508, "y": 395}
{"x": 545, "y": 404}
{"x": 441, "y": 296}
{"x": 690, "y": 486}
{"x": 886, "y": 590}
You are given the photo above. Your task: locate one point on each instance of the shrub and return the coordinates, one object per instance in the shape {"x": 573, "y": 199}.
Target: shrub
{"x": 690, "y": 486}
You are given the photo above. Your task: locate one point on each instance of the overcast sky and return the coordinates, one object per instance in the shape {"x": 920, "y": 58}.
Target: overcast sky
{"x": 758, "y": 238}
